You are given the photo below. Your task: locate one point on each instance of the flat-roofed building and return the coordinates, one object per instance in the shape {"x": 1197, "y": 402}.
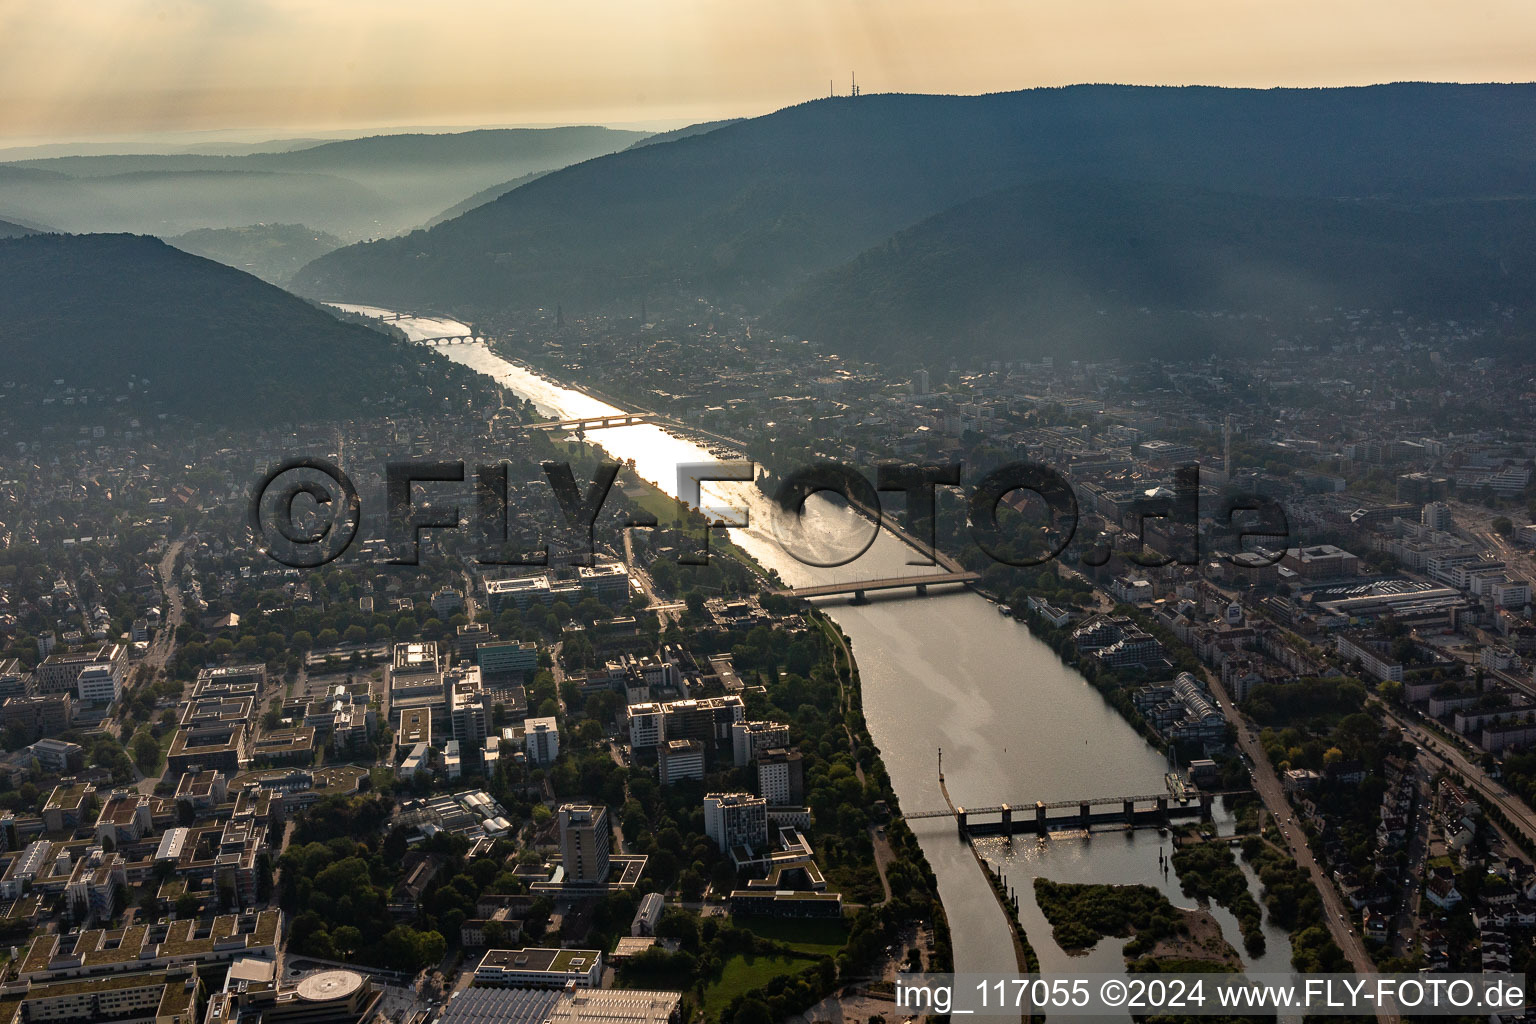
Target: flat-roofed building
{"x": 415, "y": 727}
{"x": 541, "y": 740}
{"x": 202, "y": 791}
{"x": 767, "y": 902}
{"x": 66, "y": 805}
{"x": 15, "y": 681}
{"x": 415, "y": 667}
{"x": 59, "y": 672}
{"x": 647, "y": 725}
{"x": 57, "y": 755}
{"x": 540, "y": 967}
{"x": 750, "y": 739}
{"x": 26, "y": 866}
{"x": 416, "y": 681}
{"x": 607, "y": 581}
{"x": 168, "y": 996}
{"x": 220, "y": 747}
{"x": 284, "y": 746}
{"x": 518, "y": 592}
{"x": 42, "y": 715}
{"x": 470, "y": 714}
{"x": 506, "y": 660}
{"x": 94, "y": 883}
{"x": 678, "y": 760}
{"x": 254, "y": 993}
{"x": 735, "y": 820}
{"x": 1321, "y": 561}
{"x": 585, "y": 842}
{"x": 99, "y": 684}
{"x": 781, "y": 777}
{"x": 126, "y": 817}
{"x": 606, "y": 1005}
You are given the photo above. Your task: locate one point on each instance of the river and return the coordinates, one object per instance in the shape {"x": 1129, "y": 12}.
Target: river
{"x": 947, "y": 671}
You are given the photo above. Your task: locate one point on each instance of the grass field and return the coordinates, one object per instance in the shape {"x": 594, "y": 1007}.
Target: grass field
{"x": 743, "y": 974}
{"x": 665, "y": 508}
{"x": 815, "y": 938}
{"x": 670, "y": 512}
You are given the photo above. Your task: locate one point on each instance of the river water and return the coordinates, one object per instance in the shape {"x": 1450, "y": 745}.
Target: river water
{"x": 947, "y": 671}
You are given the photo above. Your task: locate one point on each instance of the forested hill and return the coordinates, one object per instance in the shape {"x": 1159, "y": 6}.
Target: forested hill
{"x": 1097, "y": 269}
{"x": 750, "y": 209}
{"x": 126, "y": 316}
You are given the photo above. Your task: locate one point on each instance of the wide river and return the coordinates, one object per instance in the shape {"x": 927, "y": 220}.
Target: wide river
{"x": 945, "y": 671}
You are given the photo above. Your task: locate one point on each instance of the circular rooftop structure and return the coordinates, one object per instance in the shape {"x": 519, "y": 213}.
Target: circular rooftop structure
{"x": 327, "y": 985}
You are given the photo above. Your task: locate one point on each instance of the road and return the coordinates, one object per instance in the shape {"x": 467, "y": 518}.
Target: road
{"x": 164, "y": 645}
{"x": 1513, "y": 807}
{"x": 664, "y": 610}
{"x": 1267, "y": 784}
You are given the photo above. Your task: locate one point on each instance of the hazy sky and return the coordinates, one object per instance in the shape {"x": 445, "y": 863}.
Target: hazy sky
{"x": 95, "y": 68}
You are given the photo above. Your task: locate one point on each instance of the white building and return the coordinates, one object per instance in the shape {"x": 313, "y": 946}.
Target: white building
{"x": 647, "y": 725}
{"x": 780, "y": 777}
{"x": 446, "y": 601}
{"x": 749, "y": 739}
{"x": 1437, "y": 516}
{"x": 540, "y": 968}
{"x": 541, "y": 740}
{"x": 680, "y": 759}
{"x": 736, "y": 820}
{"x": 99, "y": 684}
{"x": 649, "y": 915}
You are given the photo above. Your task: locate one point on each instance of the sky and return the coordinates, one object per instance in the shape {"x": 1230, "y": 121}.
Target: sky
{"x": 108, "y": 69}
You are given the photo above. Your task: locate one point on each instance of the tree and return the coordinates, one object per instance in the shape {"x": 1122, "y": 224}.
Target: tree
{"x": 146, "y": 752}
{"x": 752, "y": 1011}
{"x": 347, "y": 939}
{"x": 187, "y": 905}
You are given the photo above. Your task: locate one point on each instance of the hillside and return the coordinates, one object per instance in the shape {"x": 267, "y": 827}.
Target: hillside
{"x": 1101, "y": 269}
{"x": 273, "y": 252}
{"x": 685, "y": 132}
{"x": 175, "y": 333}
{"x": 486, "y": 195}
{"x": 355, "y": 188}
{"x": 10, "y": 230}
{"x": 750, "y": 209}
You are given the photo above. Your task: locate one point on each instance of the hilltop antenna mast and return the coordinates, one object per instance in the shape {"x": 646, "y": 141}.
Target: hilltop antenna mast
{"x": 854, "y": 77}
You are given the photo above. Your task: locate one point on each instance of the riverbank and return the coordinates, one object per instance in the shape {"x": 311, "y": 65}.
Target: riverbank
{"x": 892, "y": 842}
{"x": 946, "y": 670}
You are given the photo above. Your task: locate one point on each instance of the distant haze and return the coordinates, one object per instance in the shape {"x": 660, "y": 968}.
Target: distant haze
{"x": 84, "y": 69}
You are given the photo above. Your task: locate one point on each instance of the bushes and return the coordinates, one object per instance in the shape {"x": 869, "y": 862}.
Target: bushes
{"x": 1080, "y": 915}
{"x": 1293, "y": 903}
{"x": 1209, "y": 871}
